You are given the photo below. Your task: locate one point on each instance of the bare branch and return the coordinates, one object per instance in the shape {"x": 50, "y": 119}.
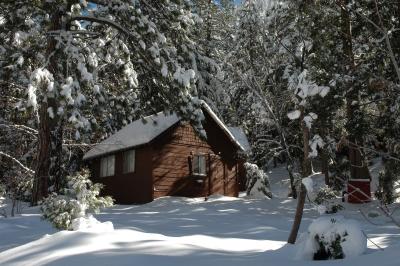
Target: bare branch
{"x": 385, "y": 34}
{"x": 29, "y": 171}
{"x": 24, "y": 128}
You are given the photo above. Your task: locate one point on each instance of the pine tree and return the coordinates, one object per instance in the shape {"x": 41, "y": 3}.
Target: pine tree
{"x": 89, "y": 61}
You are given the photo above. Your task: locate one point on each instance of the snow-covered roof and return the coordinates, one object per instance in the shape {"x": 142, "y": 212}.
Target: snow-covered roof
{"x": 221, "y": 125}
{"x": 241, "y": 137}
{"x": 134, "y": 134}
{"x": 139, "y": 133}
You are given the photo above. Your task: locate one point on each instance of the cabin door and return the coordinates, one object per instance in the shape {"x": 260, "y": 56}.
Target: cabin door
{"x": 223, "y": 178}
{"x": 216, "y": 178}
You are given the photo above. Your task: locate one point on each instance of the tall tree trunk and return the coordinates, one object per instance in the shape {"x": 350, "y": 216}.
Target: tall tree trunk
{"x": 306, "y": 171}
{"x": 47, "y": 125}
{"x": 41, "y": 179}
{"x": 298, "y": 216}
{"x": 306, "y": 164}
{"x": 358, "y": 166}
{"x": 56, "y": 170}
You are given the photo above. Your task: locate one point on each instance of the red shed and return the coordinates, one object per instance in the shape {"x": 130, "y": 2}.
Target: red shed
{"x": 161, "y": 155}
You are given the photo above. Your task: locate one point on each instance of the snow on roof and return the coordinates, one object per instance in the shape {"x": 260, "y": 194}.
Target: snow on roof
{"x": 139, "y": 133}
{"x": 241, "y": 137}
{"x": 134, "y": 134}
{"x": 222, "y": 125}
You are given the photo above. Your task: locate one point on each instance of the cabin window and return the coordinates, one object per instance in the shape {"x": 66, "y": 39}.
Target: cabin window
{"x": 129, "y": 161}
{"x": 107, "y": 167}
{"x": 199, "y": 165}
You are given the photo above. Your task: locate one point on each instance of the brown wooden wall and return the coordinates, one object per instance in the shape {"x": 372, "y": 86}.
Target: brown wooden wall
{"x": 171, "y": 165}
{"x": 162, "y": 167}
{"x": 136, "y": 187}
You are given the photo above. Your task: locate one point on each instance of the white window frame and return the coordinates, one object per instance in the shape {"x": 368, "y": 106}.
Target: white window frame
{"x": 200, "y": 170}
{"x": 129, "y": 163}
{"x": 107, "y": 166}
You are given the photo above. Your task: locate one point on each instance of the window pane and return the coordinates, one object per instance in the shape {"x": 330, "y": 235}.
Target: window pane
{"x": 199, "y": 165}
{"x": 110, "y": 165}
{"x": 129, "y": 161}
{"x": 196, "y": 164}
{"x": 202, "y": 165}
{"x": 103, "y": 167}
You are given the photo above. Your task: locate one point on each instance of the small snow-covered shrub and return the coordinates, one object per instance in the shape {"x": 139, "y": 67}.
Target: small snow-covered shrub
{"x": 325, "y": 198}
{"x": 80, "y": 198}
{"x": 332, "y": 237}
{"x": 257, "y": 181}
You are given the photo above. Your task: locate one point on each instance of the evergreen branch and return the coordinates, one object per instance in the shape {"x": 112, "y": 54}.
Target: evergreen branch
{"x": 103, "y": 21}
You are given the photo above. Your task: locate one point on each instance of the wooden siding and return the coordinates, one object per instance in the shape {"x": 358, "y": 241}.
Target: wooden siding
{"x": 136, "y": 187}
{"x": 242, "y": 175}
{"x": 171, "y": 162}
{"x": 162, "y": 167}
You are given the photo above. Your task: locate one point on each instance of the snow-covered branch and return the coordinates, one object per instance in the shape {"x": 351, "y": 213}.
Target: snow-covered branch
{"x": 22, "y": 128}
{"x": 29, "y": 171}
{"x": 103, "y": 21}
{"x": 385, "y": 34}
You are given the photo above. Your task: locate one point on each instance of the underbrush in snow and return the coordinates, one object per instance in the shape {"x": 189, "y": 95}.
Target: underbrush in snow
{"x": 71, "y": 210}
{"x": 326, "y": 200}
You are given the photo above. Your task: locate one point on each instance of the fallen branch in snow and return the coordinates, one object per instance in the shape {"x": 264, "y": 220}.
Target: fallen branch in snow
{"x": 367, "y": 219}
{"x": 380, "y": 248}
{"x": 394, "y": 210}
{"x": 385, "y": 211}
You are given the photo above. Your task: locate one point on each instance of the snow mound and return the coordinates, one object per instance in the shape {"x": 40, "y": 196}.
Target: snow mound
{"x": 91, "y": 224}
{"x": 258, "y": 185}
{"x": 330, "y": 230}
{"x": 308, "y": 183}
{"x": 219, "y": 197}
{"x": 258, "y": 191}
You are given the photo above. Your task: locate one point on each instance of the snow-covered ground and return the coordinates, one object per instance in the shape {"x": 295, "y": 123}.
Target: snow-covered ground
{"x": 181, "y": 231}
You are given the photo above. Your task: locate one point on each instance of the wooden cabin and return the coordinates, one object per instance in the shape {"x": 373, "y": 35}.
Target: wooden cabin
{"x": 161, "y": 155}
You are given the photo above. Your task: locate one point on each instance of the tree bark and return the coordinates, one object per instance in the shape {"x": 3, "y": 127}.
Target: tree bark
{"x": 306, "y": 171}
{"x": 298, "y": 216}
{"x": 358, "y": 167}
{"x": 46, "y": 124}
{"x": 41, "y": 179}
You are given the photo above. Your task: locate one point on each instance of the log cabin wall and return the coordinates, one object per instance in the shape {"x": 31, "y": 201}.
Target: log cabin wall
{"x": 225, "y": 168}
{"x": 136, "y": 187}
{"x": 171, "y": 162}
{"x": 242, "y": 175}
{"x": 163, "y": 166}
{"x": 172, "y": 153}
